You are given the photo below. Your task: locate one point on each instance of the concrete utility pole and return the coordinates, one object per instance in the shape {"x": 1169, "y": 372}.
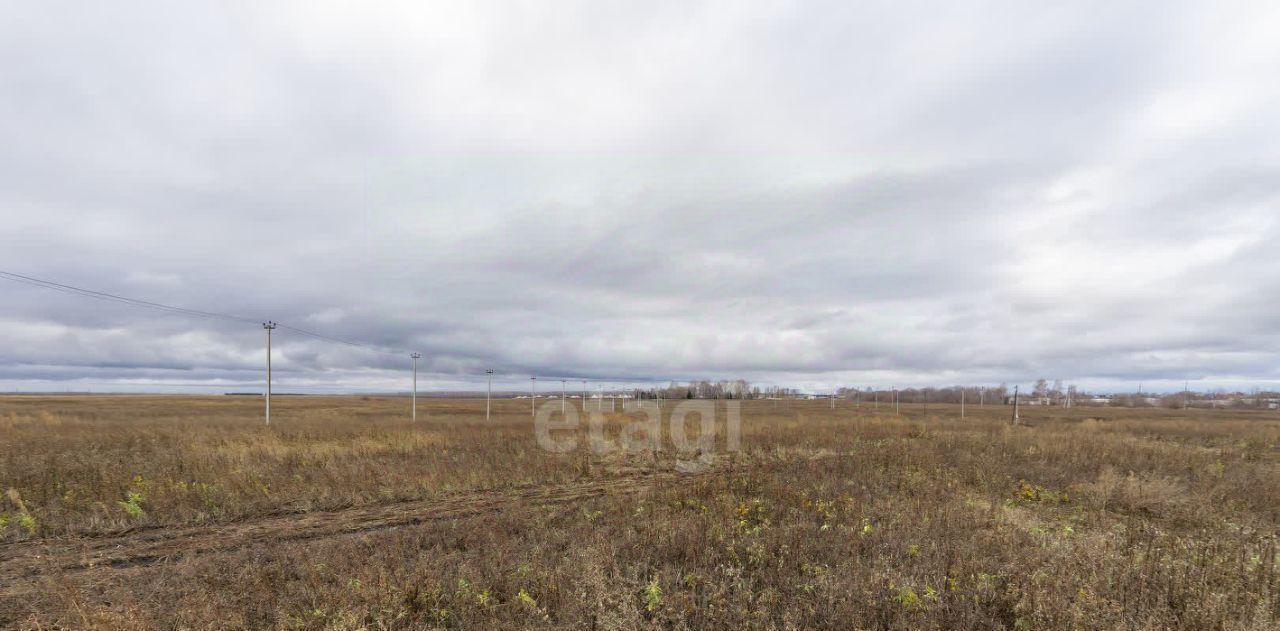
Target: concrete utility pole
{"x": 533, "y": 398}
{"x": 833, "y": 400}
{"x": 962, "y": 403}
{"x": 1185, "y": 386}
{"x": 982, "y": 393}
{"x": 488, "y": 394}
{"x": 1015, "y": 405}
{"x": 584, "y": 396}
{"x": 876, "y": 395}
{"x": 413, "y": 415}
{"x": 269, "y": 326}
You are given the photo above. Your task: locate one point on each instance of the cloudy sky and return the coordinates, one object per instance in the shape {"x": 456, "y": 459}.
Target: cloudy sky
{"x": 814, "y": 194}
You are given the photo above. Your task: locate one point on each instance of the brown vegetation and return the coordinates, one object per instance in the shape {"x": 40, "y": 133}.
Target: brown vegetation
{"x": 183, "y": 512}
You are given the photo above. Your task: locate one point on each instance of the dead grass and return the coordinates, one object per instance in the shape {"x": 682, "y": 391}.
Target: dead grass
{"x": 1092, "y": 519}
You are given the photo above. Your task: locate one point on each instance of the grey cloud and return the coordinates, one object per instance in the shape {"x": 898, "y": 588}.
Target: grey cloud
{"x": 821, "y": 193}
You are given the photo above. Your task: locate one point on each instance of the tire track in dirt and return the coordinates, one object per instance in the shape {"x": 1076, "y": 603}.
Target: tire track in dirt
{"x": 146, "y": 547}
{"x": 25, "y": 561}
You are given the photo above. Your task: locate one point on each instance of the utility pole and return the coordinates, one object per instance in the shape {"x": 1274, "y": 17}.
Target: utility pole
{"x": 488, "y": 394}
{"x": 413, "y": 415}
{"x": 961, "y": 402}
{"x": 1185, "y": 386}
{"x": 982, "y": 392}
{"x": 584, "y": 396}
{"x": 896, "y": 408}
{"x": 533, "y": 398}
{"x": 562, "y": 391}
{"x": 833, "y": 400}
{"x": 876, "y": 395}
{"x": 269, "y": 326}
{"x": 1015, "y": 405}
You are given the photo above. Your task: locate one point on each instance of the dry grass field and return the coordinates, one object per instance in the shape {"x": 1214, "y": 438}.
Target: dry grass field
{"x": 188, "y": 513}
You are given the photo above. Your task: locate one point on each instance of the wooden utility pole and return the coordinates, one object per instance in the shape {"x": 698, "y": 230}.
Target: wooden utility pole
{"x": 413, "y": 407}
{"x": 488, "y": 392}
{"x": 269, "y": 326}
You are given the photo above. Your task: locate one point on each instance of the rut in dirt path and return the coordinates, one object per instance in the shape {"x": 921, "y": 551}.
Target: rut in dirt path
{"x": 22, "y": 562}
{"x": 150, "y": 546}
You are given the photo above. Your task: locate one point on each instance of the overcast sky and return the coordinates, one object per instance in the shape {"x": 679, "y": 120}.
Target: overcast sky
{"x": 809, "y": 194}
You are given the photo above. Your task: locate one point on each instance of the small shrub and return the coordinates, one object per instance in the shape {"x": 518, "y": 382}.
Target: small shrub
{"x": 652, "y": 596}
{"x": 132, "y": 504}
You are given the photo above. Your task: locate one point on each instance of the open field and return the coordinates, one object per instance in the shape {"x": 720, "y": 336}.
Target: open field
{"x": 186, "y": 512}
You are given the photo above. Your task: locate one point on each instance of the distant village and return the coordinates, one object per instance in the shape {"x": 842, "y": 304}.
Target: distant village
{"x": 1042, "y": 393}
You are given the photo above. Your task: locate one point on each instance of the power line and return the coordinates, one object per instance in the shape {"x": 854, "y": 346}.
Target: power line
{"x": 622, "y": 382}
{"x": 214, "y": 385}
{"x": 147, "y": 304}
{"x": 338, "y": 340}
{"x": 607, "y": 378}
{"x": 101, "y": 295}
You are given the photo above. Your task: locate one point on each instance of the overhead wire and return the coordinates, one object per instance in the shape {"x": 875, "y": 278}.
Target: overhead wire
{"x": 214, "y": 315}
{"x": 232, "y": 387}
{"x": 102, "y": 295}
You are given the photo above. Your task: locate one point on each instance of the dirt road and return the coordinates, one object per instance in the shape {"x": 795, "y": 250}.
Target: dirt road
{"x": 22, "y": 563}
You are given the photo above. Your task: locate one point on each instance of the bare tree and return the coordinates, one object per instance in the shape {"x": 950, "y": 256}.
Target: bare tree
{"x": 1041, "y": 389}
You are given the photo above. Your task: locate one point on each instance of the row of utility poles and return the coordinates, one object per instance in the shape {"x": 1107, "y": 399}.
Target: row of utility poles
{"x": 413, "y": 406}
{"x": 533, "y": 391}
{"x": 533, "y": 387}
{"x": 564, "y": 390}
{"x": 488, "y": 394}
